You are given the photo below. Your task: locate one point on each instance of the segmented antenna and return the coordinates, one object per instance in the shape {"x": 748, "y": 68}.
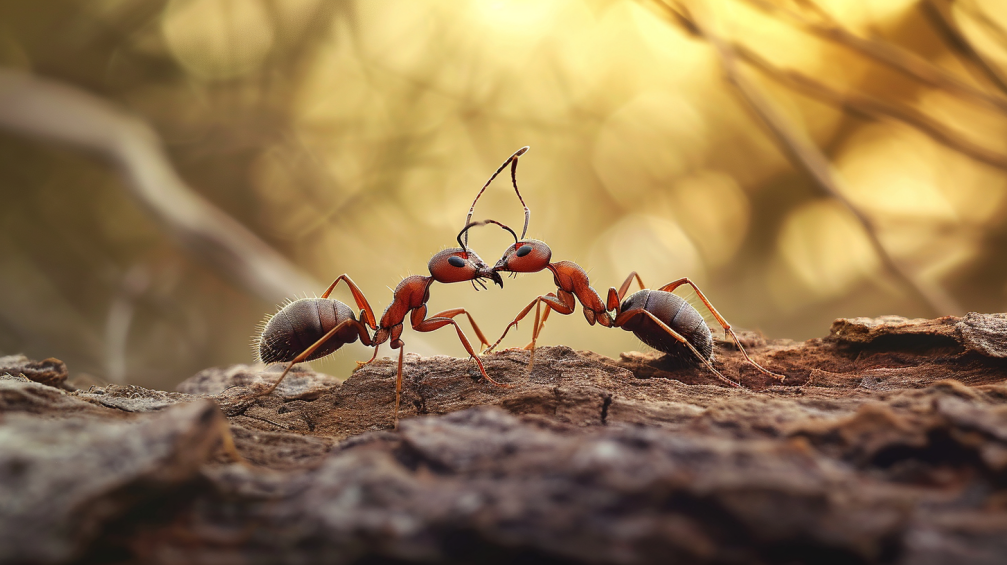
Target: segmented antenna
{"x": 512, "y": 161}
{"x": 470, "y": 225}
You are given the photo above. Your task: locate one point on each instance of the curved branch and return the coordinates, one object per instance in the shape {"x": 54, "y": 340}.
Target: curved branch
{"x": 891, "y": 55}
{"x": 874, "y": 108}
{"x": 51, "y": 111}
{"x": 807, "y": 156}
{"x": 946, "y": 22}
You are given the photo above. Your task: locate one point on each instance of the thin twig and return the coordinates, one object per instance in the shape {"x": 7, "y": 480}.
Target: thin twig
{"x": 872, "y": 107}
{"x": 806, "y": 155}
{"x": 56, "y": 112}
{"x": 993, "y": 28}
{"x": 939, "y": 11}
{"x": 891, "y": 55}
{"x": 813, "y": 7}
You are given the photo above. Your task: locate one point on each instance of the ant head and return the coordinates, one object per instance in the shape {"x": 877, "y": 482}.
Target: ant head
{"x": 456, "y": 265}
{"x": 462, "y": 264}
{"x": 525, "y": 256}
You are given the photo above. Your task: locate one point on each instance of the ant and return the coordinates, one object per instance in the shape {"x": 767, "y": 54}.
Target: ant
{"x": 312, "y": 328}
{"x": 659, "y": 318}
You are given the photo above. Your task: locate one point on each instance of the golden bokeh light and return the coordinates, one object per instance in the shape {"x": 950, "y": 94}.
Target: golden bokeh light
{"x": 218, "y": 39}
{"x": 826, "y": 248}
{"x": 908, "y": 191}
{"x": 713, "y": 210}
{"x": 654, "y": 247}
{"x": 647, "y": 143}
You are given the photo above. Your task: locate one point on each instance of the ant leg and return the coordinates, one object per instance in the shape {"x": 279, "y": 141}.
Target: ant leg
{"x": 723, "y": 323}
{"x": 398, "y": 387}
{"x": 534, "y": 335}
{"x": 371, "y": 360}
{"x": 456, "y": 311}
{"x": 537, "y": 329}
{"x": 564, "y": 304}
{"x": 366, "y": 314}
{"x": 626, "y": 316}
{"x": 625, "y": 285}
{"x": 514, "y": 322}
{"x": 540, "y": 326}
{"x": 307, "y": 352}
{"x": 421, "y": 323}
{"x": 512, "y": 161}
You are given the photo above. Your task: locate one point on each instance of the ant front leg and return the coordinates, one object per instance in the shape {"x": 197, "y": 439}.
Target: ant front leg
{"x": 371, "y": 360}
{"x": 562, "y": 302}
{"x": 624, "y": 317}
{"x": 475, "y": 327}
{"x": 421, "y": 323}
{"x": 723, "y": 323}
{"x": 539, "y": 325}
{"x": 398, "y": 384}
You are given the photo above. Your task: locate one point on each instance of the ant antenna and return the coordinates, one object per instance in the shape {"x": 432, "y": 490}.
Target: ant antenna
{"x": 465, "y": 230}
{"x": 483, "y": 223}
{"x": 504, "y": 226}
{"x": 512, "y": 161}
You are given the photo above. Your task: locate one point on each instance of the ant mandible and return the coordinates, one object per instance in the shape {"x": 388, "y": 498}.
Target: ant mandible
{"x": 312, "y": 328}
{"x": 659, "y": 318}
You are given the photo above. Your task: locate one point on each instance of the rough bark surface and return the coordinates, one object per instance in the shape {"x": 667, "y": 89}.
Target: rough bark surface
{"x": 887, "y": 443}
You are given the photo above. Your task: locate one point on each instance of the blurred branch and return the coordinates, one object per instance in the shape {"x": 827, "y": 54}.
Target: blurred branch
{"x": 993, "y": 28}
{"x": 886, "y": 53}
{"x": 814, "y": 8}
{"x": 872, "y": 107}
{"x": 939, "y": 10}
{"x": 806, "y": 155}
{"x": 55, "y": 112}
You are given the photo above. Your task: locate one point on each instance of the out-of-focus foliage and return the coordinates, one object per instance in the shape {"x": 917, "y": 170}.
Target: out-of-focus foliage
{"x": 353, "y": 135}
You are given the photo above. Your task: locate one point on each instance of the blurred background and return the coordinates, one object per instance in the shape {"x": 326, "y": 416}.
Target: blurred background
{"x": 853, "y": 165}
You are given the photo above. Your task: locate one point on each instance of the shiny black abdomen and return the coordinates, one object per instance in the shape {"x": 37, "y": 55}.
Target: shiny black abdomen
{"x": 677, "y": 314}
{"x": 300, "y": 324}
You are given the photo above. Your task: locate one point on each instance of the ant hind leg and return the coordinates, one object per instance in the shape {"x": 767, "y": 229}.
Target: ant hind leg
{"x": 723, "y": 323}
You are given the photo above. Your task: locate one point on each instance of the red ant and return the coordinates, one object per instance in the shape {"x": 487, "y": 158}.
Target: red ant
{"x": 311, "y": 328}
{"x": 659, "y": 318}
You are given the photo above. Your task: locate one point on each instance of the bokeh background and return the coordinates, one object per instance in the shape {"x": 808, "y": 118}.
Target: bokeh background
{"x": 351, "y": 136}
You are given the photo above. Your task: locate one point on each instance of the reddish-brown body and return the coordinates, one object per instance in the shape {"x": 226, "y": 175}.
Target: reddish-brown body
{"x": 657, "y": 317}
{"x": 410, "y": 294}
{"x": 571, "y": 279}
{"x": 312, "y": 328}
{"x": 572, "y": 286}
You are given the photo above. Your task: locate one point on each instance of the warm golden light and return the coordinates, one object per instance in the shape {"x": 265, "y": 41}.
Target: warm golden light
{"x": 218, "y": 39}
{"x": 826, "y": 248}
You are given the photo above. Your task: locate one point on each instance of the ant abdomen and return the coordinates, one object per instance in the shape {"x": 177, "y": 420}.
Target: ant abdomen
{"x": 677, "y": 314}
{"x": 298, "y": 325}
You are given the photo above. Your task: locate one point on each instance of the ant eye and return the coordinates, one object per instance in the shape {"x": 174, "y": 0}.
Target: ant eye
{"x": 456, "y": 261}
{"x": 524, "y": 250}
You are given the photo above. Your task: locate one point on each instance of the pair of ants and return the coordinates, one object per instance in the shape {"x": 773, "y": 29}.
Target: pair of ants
{"x": 311, "y": 328}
